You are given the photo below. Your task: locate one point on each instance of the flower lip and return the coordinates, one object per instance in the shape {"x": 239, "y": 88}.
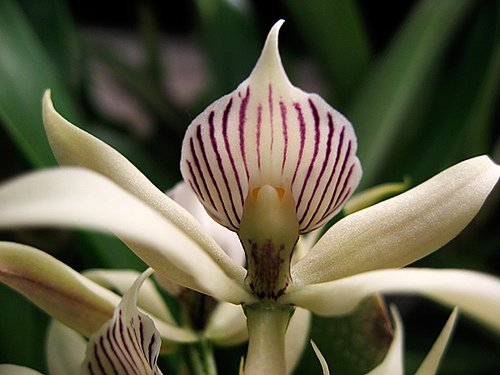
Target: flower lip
{"x": 268, "y": 132}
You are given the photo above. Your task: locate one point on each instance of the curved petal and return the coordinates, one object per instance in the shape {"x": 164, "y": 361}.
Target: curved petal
{"x": 75, "y": 197}
{"x": 296, "y": 338}
{"x": 17, "y": 370}
{"x": 56, "y": 288}
{"x": 402, "y": 229}
{"x": 268, "y": 132}
{"x": 127, "y": 344}
{"x": 66, "y": 295}
{"x": 75, "y": 147}
{"x": 432, "y": 360}
{"x": 321, "y": 359}
{"x": 227, "y": 325}
{"x": 475, "y": 293}
{"x": 121, "y": 280}
{"x": 65, "y": 349}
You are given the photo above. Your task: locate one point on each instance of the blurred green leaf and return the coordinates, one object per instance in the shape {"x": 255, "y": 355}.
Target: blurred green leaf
{"x": 457, "y": 122}
{"x": 26, "y": 70}
{"x": 22, "y": 330}
{"x": 336, "y": 34}
{"x": 379, "y": 110}
{"x": 232, "y": 41}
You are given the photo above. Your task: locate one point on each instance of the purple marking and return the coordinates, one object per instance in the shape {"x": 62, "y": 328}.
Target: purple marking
{"x": 330, "y": 180}
{"x": 302, "y": 129}
{"x": 331, "y": 131}
{"x": 259, "y": 121}
{"x": 197, "y": 162}
{"x": 213, "y": 140}
{"x": 315, "y": 154}
{"x": 242, "y": 125}
{"x": 225, "y": 116}
{"x": 285, "y": 134}
{"x": 342, "y": 170}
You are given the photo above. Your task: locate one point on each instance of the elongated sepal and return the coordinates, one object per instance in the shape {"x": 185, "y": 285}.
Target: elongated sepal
{"x": 268, "y": 132}
{"x": 127, "y": 344}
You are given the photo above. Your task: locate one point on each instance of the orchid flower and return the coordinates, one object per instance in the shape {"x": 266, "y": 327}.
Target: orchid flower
{"x": 271, "y": 163}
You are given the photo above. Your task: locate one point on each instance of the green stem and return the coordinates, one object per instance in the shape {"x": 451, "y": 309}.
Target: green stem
{"x": 202, "y": 359}
{"x": 267, "y": 323}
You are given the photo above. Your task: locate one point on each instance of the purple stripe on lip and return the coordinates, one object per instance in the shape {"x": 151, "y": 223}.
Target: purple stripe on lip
{"x": 328, "y": 152}
{"x": 315, "y": 154}
{"x": 222, "y": 171}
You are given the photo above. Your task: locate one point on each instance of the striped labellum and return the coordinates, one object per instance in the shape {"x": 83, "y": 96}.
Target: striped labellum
{"x": 268, "y": 132}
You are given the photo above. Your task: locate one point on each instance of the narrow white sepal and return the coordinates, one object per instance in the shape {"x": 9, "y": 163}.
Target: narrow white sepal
{"x": 431, "y": 362}
{"x": 127, "y": 344}
{"x": 321, "y": 359}
{"x": 268, "y": 132}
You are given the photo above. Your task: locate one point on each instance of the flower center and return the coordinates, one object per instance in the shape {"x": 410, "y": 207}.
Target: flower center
{"x": 268, "y": 231}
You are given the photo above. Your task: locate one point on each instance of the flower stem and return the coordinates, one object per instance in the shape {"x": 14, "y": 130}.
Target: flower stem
{"x": 202, "y": 359}
{"x": 267, "y": 323}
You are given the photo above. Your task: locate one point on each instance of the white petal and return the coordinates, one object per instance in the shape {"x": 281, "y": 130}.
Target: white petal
{"x": 81, "y": 198}
{"x": 268, "y": 132}
{"x": 296, "y": 338}
{"x": 56, "y": 288}
{"x": 17, "y": 370}
{"x": 127, "y": 344}
{"x": 227, "y": 325}
{"x": 322, "y": 360}
{"x": 75, "y": 147}
{"x": 475, "y": 293}
{"x": 148, "y": 299}
{"x": 431, "y": 362}
{"x": 402, "y": 229}
{"x": 65, "y": 349}
{"x": 228, "y": 240}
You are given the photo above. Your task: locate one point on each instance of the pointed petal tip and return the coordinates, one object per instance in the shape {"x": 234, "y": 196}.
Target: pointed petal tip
{"x": 269, "y": 66}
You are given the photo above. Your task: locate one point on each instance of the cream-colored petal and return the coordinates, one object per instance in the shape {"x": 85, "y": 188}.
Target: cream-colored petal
{"x": 475, "y": 293}
{"x": 148, "y": 298}
{"x": 65, "y": 349}
{"x": 17, "y": 370}
{"x": 75, "y": 197}
{"x": 321, "y": 359}
{"x": 296, "y": 338}
{"x": 227, "y": 325}
{"x": 127, "y": 344}
{"x": 432, "y": 360}
{"x": 75, "y": 147}
{"x": 268, "y": 132}
{"x": 56, "y": 288}
{"x": 402, "y": 229}
{"x": 66, "y": 295}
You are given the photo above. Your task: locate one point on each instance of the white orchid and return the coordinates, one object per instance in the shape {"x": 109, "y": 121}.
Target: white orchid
{"x": 270, "y": 162}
